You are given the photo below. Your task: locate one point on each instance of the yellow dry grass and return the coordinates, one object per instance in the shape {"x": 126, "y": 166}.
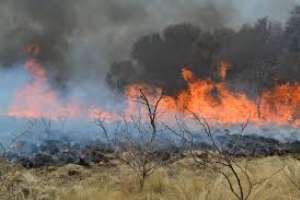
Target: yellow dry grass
{"x": 277, "y": 178}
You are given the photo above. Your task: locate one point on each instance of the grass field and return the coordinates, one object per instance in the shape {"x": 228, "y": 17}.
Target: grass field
{"x": 273, "y": 178}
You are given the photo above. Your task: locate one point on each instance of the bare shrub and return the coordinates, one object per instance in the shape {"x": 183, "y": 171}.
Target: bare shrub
{"x": 218, "y": 158}
{"x": 135, "y": 139}
{"x": 10, "y": 186}
{"x": 9, "y": 145}
{"x": 139, "y": 153}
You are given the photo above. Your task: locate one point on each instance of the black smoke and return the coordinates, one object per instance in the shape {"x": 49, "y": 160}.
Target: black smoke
{"x": 44, "y": 24}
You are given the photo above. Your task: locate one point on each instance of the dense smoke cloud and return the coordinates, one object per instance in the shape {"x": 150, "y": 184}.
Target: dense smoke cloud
{"x": 107, "y": 29}
{"x": 44, "y": 25}
{"x": 80, "y": 39}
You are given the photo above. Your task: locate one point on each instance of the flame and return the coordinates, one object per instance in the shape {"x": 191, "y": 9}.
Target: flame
{"x": 37, "y": 99}
{"x": 33, "y": 49}
{"x": 223, "y": 70}
{"x": 214, "y": 101}
{"x": 187, "y": 74}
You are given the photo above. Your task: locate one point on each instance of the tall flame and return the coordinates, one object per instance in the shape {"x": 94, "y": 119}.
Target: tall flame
{"x": 37, "y": 99}
{"x": 223, "y": 70}
{"x": 211, "y": 100}
{"x": 215, "y": 102}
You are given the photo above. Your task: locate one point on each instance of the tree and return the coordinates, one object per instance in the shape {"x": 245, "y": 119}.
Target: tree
{"x": 252, "y": 50}
{"x": 121, "y": 74}
{"x": 292, "y": 31}
{"x": 289, "y": 60}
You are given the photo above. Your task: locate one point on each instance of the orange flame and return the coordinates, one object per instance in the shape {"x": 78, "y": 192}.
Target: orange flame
{"x": 187, "y": 74}
{"x": 37, "y": 100}
{"x": 214, "y": 101}
{"x": 223, "y": 70}
{"x": 33, "y": 49}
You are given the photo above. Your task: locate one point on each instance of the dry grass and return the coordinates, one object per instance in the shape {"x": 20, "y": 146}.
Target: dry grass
{"x": 181, "y": 181}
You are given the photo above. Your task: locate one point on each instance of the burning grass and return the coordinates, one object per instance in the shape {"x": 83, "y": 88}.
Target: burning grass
{"x": 277, "y": 178}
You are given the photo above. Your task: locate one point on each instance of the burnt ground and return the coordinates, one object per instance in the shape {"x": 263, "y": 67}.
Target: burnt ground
{"x": 61, "y": 152}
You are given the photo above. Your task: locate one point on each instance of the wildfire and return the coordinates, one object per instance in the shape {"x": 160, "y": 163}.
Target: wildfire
{"x": 38, "y": 100}
{"x": 216, "y": 102}
{"x": 187, "y": 74}
{"x": 213, "y": 101}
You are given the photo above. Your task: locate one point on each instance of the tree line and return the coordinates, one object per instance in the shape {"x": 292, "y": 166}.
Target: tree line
{"x": 260, "y": 55}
